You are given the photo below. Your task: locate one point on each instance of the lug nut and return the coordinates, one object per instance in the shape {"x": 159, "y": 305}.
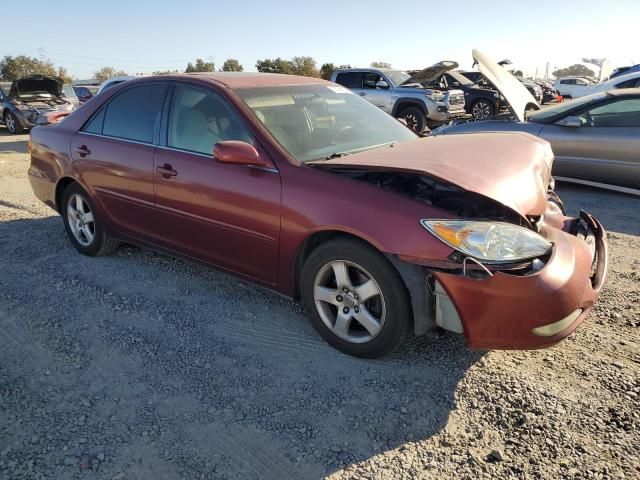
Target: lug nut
{"x": 355, "y": 296}
{"x": 356, "y": 309}
{"x": 345, "y": 290}
{"x": 339, "y": 298}
{"x": 345, "y": 310}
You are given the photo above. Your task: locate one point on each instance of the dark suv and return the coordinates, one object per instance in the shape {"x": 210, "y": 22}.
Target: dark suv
{"x": 479, "y": 101}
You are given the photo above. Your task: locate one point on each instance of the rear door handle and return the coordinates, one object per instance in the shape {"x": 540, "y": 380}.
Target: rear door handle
{"x": 362, "y": 94}
{"x": 83, "y": 150}
{"x": 166, "y": 171}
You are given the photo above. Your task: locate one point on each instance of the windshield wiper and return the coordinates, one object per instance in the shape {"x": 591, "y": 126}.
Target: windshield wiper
{"x": 337, "y": 155}
{"x": 362, "y": 149}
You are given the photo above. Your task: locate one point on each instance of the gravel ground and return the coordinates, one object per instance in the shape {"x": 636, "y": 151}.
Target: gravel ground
{"x": 138, "y": 365}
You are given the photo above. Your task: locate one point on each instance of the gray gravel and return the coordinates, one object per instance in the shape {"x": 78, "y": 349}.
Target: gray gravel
{"x": 138, "y": 365}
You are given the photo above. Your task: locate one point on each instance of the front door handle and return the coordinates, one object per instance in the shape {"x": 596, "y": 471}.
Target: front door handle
{"x": 362, "y": 94}
{"x": 83, "y": 150}
{"x": 166, "y": 171}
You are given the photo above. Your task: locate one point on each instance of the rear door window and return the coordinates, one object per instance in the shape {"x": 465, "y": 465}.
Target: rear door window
{"x": 135, "y": 113}
{"x": 350, "y": 79}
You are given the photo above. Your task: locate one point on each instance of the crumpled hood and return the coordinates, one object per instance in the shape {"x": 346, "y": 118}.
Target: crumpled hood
{"x": 514, "y": 92}
{"x": 512, "y": 168}
{"x": 35, "y": 84}
{"x": 432, "y": 72}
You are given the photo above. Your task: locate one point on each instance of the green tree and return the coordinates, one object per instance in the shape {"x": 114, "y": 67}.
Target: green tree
{"x": 326, "y": 70}
{"x": 105, "y": 73}
{"x": 277, "y": 65}
{"x": 380, "y": 65}
{"x": 12, "y": 68}
{"x": 232, "y": 65}
{"x": 305, "y": 66}
{"x": 200, "y": 66}
{"x": 64, "y": 75}
{"x": 577, "y": 70}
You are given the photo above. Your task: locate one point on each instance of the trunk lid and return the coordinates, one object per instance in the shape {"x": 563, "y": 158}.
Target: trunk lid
{"x": 512, "y": 168}
{"x": 514, "y": 92}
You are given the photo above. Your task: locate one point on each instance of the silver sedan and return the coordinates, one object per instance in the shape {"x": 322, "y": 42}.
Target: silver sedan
{"x": 595, "y": 139}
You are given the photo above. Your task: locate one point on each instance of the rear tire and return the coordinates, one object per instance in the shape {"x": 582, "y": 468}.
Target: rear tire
{"x": 356, "y": 299}
{"x": 414, "y": 117}
{"x": 83, "y": 225}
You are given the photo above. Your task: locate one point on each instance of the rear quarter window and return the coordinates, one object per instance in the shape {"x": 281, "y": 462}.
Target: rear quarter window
{"x": 134, "y": 114}
{"x": 350, "y": 79}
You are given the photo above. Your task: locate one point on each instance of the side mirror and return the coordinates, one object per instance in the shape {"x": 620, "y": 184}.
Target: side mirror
{"x": 237, "y": 152}
{"x": 382, "y": 84}
{"x": 572, "y": 121}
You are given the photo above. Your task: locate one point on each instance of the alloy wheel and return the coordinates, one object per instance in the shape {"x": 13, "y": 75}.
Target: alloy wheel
{"x": 80, "y": 219}
{"x": 481, "y": 110}
{"x": 10, "y": 122}
{"x": 412, "y": 121}
{"x": 349, "y": 301}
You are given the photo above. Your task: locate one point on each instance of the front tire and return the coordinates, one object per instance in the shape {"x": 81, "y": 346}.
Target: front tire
{"x": 83, "y": 225}
{"x": 415, "y": 118}
{"x": 481, "y": 110}
{"x": 12, "y": 124}
{"x": 356, "y": 299}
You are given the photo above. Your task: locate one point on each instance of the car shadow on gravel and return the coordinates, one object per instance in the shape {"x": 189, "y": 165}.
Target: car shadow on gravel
{"x": 196, "y": 371}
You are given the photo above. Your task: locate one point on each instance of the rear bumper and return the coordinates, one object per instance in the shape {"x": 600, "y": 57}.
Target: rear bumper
{"x": 536, "y": 310}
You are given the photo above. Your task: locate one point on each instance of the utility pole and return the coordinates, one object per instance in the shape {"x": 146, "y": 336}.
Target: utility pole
{"x": 546, "y": 73}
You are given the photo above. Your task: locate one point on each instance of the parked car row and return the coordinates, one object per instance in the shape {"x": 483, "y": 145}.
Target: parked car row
{"x": 575, "y": 87}
{"x": 595, "y": 139}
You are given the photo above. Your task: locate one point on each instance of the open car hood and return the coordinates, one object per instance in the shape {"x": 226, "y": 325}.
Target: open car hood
{"x": 516, "y": 94}
{"x": 432, "y": 72}
{"x": 36, "y": 84}
{"x": 512, "y": 168}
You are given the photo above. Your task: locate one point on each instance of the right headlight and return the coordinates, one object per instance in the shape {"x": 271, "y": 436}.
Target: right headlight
{"x": 435, "y": 95}
{"x": 493, "y": 242}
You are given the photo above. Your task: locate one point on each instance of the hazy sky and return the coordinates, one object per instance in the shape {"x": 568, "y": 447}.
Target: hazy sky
{"x": 143, "y": 36}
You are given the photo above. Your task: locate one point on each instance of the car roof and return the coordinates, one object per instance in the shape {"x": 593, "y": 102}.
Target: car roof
{"x": 238, "y": 80}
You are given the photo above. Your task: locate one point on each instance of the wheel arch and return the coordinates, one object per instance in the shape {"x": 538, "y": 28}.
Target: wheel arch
{"x": 413, "y": 276}
{"x": 61, "y": 186}
{"x": 403, "y": 103}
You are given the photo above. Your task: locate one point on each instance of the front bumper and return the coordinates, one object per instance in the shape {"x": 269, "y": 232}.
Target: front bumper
{"x": 444, "y": 114}
{"x": 535, "y": 310}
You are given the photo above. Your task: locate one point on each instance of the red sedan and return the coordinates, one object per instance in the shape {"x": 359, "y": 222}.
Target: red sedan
{"x": 304, "y": 187}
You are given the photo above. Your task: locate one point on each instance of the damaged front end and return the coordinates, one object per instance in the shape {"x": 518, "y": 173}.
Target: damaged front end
{"x": 529, "y": 289}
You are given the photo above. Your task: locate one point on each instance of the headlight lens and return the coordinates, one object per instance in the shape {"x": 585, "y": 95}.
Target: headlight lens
{"x": 435, "y": 96}
{"x": 494, "y": 242}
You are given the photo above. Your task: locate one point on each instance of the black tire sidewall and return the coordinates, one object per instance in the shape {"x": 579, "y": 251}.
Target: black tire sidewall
{"x": 397, "y": 300}
{"x": 420, "y": 117}
{"x": 100, "y": 236}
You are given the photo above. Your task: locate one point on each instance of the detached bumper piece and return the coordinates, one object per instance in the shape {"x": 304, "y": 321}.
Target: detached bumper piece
{"x": 507, "y": 311}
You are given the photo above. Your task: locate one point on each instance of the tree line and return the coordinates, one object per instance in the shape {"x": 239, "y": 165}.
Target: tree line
{"x": 13, "y": 67}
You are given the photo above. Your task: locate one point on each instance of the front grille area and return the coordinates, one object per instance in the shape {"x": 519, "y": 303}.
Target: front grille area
{"x": 456, "y": 99}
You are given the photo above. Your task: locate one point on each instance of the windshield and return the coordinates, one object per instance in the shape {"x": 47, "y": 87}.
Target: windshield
{"x": 397, "y": 77}
{"x": 68, "y": 91}
{"x": 314, "y": 122}
{"x": 549, "y": 113}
